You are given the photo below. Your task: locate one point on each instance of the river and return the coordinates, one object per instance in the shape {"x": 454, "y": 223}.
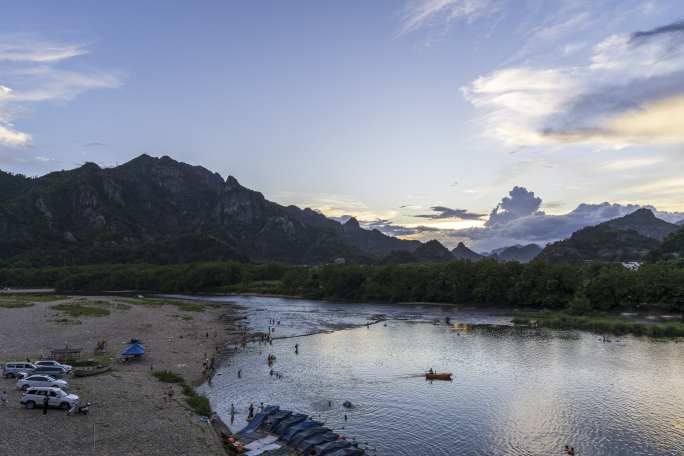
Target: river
{"x": 515, "y": 391}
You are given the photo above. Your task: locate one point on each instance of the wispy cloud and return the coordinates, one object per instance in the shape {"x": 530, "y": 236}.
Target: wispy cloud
{"x": 32, "y": 64}
{"x": 447, "y": 213}
{"x": 25, "y": 48}
{"x": 440, "y": 14}
{"x": 630, "y": 90}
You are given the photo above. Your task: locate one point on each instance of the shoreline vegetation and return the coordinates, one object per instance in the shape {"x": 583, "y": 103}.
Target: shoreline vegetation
{"x": 602, "y": 287}
{"x": 597, "y": 323}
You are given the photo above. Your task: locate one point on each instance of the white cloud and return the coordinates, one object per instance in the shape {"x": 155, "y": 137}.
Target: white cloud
{"x": 9, "y": 137}
{"x": 629, "y": 91}
{"x": 32, "y": 65}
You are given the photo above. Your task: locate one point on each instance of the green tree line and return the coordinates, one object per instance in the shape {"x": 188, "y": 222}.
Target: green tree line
{"x": 580, "y": 287}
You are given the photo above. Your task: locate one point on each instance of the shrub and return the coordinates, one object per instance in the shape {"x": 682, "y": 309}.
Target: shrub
{"x": 168, "y": 377}
{"x": 200, "y": 404}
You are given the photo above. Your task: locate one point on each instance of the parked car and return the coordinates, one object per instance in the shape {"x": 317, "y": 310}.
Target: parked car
{"x": 58, "y": 399}
{"x": 52, "y": 363}
{"x": 41, "y": 380}
{"x": 55, "y": 371}
{"x": 11, "y": 369}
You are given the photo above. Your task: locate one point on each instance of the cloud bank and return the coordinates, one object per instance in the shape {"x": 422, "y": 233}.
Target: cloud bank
{"x": 630, "y": 90}
{"x": 517, "y": 220}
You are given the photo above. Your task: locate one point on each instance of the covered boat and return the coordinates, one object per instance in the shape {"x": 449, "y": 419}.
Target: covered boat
{"x": 90, "y": 371}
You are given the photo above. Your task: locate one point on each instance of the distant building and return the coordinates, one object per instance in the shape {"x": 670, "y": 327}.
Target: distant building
{"x": 340, "y": 261}
{"x": 632, "y": 265}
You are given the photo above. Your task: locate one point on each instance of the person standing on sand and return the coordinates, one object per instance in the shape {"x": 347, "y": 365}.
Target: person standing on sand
{"x": 46, "y": 403}
{"x": 170, "y": 393}
{"x": 4, "y": 398}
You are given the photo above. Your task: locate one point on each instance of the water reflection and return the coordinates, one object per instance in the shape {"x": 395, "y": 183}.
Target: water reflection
{"x": 515, "y": 391}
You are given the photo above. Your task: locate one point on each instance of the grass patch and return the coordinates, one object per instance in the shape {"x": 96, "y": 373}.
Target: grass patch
{"x": 11, "y": 305}
{"x": 601, "y": 324}
{"x": 521, "y": 321}
{"x": 168, "y": 377}
{"x": 80, "y": 310}
{"x": 25, "y": 297}
{"x": 66, "y": 321}
{"x": 110, "y": 305}
{"x": 198, "y": 403}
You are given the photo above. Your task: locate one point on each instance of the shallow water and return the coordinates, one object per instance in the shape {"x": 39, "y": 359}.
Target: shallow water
{"x": 515, "y": 391}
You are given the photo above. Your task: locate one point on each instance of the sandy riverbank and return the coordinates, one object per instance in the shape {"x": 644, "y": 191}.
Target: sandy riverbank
{"x": 129, "y": 415}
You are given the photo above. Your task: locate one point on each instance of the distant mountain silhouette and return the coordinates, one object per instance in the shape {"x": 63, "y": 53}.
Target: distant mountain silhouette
{"x": 644, "y": 222}
{"x": 520, "y": 254}
{"x": 461, "y": 252}
{"x": 433, "y": 252}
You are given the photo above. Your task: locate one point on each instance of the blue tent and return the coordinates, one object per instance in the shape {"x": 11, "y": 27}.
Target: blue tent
{"x": 134, "y": 350}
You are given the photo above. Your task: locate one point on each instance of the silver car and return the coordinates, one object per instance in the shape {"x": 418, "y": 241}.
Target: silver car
{"x": 11, "y": 369}
{"x": 58, "y": 398}
{"x": 52, "y": 363}
{"x": 41, "y": 380}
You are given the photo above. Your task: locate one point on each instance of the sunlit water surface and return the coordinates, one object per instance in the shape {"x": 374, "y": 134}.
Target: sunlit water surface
{"x": 515, "y": 391}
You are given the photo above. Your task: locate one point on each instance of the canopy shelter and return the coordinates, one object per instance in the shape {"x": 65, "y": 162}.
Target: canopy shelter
{"x": 134, "y": 350}
{"x": 66, "y": 354}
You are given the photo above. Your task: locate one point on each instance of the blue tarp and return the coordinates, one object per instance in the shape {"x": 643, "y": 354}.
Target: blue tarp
{"x": 294, "y": 430}
{"x": 134, "y": 349}
{"x": 271, "y": 409}
{"x": 314, "y": 431}
{"x": 322, "y": 450}
{"x": 258, "y": 419}
{"x": 305, "y": 445}
{"x": 286, "y": 424}
{"x": 254, "y": 424}
{"x": 273, "y": 420}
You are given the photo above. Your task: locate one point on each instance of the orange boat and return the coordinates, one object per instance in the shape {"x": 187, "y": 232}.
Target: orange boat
{"x": 430, "y": 376}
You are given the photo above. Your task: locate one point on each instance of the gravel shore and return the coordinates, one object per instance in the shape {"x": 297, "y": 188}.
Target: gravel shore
{"x": 129, "y": 415}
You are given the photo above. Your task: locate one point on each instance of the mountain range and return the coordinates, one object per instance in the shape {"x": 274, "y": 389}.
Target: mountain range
{"x": 158, "y": 210}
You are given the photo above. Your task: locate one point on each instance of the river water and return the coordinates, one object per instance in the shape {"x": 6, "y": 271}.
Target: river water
{"x": 515, "y": 391}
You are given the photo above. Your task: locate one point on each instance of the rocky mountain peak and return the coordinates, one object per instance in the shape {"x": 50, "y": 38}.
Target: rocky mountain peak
{"x": 232, "y": 183}
{"x": 351, "y": 224}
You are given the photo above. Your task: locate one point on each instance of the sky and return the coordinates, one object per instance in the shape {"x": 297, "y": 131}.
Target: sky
{"x": 487, "y": 122}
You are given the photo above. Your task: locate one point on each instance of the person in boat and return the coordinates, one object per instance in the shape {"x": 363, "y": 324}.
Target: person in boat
{"x": 569, "y": 450}
{"x": 431, "y": 371}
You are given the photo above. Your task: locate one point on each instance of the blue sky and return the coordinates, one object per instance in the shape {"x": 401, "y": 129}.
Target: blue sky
{"x": 482, "y": 121}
